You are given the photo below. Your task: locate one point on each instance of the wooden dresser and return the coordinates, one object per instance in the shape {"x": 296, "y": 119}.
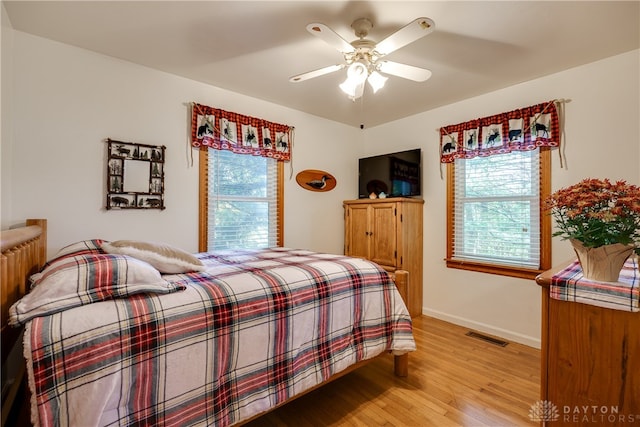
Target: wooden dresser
{"x": 389, "y": 233}
{"x": 590, "y": 361}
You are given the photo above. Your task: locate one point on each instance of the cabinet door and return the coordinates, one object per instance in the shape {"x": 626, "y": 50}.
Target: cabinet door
{"x": 358, "y": 229}
{"x": 383, "y": 234}
{"x": 592, "y": 364}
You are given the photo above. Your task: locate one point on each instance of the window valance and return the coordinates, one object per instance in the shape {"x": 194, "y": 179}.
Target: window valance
{"x": 224, "y": 130}
{"x": 523, "y": 129}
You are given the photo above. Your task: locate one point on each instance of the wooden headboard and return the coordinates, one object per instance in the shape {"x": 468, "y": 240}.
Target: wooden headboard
{"x": 24, "y": 252}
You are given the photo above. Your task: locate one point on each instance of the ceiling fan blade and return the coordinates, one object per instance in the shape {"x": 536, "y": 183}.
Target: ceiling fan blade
{"x": 316, "y": 73}
{"x": 405, "y": 35}
{"x": 405, "y": 71}
{"x": 330, "y": 37}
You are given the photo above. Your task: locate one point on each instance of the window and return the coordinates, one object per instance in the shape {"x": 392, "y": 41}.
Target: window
{"x": 240, "y": 201}
{"x": 494, "y": 219}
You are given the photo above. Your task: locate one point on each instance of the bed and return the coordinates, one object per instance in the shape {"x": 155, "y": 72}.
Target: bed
{"x": 116, "y": 339}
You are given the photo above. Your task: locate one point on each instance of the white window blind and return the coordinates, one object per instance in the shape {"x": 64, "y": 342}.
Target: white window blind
{"x": 242, "y": 201}
{"x": 497, "y": 209}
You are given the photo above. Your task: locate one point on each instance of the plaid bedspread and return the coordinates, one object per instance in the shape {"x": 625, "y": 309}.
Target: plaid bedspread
{"x": 253, "y": 330}
{"x": 570, "y": 285}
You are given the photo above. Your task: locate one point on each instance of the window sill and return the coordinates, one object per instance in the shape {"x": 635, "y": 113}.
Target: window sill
{"x": 502, "y": 270}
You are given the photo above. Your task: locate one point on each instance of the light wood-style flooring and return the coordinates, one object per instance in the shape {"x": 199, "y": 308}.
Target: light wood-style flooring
{"x": 454, "y": 380}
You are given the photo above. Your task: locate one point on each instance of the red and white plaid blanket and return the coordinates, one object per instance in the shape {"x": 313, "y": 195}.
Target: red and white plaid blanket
{"x": 253, "y": 330}
{"x": 570, "y": 285}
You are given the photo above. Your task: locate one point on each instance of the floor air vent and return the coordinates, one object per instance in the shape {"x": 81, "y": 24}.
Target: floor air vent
{"x": 486, "y": 338}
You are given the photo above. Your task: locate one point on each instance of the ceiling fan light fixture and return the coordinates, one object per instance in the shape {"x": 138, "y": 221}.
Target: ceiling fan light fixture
{"x": 376, "y": 81}
{"x": 353, "y": 86}
{"x": 349, "y": 87}
{"x": 362, "y": 57}
{"x": 358, "y": 71}
{"x": 359, "y": 91}
{"x": 353, "y": 89}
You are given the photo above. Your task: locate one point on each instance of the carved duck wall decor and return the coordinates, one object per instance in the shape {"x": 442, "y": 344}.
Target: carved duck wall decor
{"x": 315, "y": 180}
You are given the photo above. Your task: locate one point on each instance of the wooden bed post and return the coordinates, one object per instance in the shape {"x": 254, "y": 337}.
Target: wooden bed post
{"x": 401, "y": 363}
{"x": 41, "y": 257}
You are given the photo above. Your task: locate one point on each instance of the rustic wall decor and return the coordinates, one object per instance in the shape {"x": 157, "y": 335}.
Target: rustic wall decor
{"x": 316, "y": 180}
{"x": 135, "y": 175}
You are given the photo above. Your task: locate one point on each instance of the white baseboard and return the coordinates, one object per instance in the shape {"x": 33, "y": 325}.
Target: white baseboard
{"x": 482, "y": 327}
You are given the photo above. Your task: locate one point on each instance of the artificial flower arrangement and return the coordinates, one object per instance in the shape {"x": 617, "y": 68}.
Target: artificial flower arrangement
{"x": 597, "y": 213}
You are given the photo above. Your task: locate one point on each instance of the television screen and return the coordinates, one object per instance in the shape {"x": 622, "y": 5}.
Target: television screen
{"x": 395, "y": 174}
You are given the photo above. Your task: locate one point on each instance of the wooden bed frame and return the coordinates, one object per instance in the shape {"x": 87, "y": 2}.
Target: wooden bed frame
{"x": 24, "y": 252}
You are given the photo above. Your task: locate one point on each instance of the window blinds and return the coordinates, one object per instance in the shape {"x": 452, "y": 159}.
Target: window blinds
{"x": 496, "y": 216}
{"x": 242, "y": 201}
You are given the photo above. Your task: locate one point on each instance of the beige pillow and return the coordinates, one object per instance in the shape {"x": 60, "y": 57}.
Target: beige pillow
{"x": 165, "y": 258}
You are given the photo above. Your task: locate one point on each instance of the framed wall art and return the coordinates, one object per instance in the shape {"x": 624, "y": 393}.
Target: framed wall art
{"x": 135, "y": 175}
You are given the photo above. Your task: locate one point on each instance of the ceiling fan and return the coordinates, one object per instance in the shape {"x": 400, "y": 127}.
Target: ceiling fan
{"x": 363, "y": 57}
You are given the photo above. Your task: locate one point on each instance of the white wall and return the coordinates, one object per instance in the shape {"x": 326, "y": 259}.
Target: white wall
{"x": 602, "y": 128}
{"x": 6, "y": 76}
{"x": 66, "y": 101}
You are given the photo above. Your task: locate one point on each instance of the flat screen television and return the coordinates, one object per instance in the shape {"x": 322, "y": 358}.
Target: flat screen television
{"x": 395, "y": 174}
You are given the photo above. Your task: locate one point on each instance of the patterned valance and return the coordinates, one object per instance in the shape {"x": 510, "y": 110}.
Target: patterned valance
{"x": 523, "y": 129}
{"x": 224, "y": 130}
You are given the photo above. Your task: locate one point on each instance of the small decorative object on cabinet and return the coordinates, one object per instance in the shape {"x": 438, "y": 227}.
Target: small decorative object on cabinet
{"x": 389, "y": 233}
{"x": 135, "y": 175}
{"x": 590, "y": 364}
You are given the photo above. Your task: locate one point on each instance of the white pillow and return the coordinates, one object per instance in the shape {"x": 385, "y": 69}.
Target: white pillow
{"x": 165, "y": 258}
{"x": 83, "y": 247}
{"x": 84, "y": 279}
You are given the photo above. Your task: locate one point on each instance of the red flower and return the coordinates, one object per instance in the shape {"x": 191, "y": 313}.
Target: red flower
{"x": 597, "y": 212}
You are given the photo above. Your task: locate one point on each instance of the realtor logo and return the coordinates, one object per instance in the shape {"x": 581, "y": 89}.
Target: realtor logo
{"x": 544, "y": 410}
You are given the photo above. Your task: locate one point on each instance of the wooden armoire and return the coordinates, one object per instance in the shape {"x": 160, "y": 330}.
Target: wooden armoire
{"x": 389, "y": 233}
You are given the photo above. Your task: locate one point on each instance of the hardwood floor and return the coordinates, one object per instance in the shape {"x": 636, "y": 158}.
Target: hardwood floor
{"x": 454, "y": 380}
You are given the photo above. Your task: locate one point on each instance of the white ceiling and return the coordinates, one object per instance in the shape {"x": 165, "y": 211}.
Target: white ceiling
{"x": 253, "y": 47}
